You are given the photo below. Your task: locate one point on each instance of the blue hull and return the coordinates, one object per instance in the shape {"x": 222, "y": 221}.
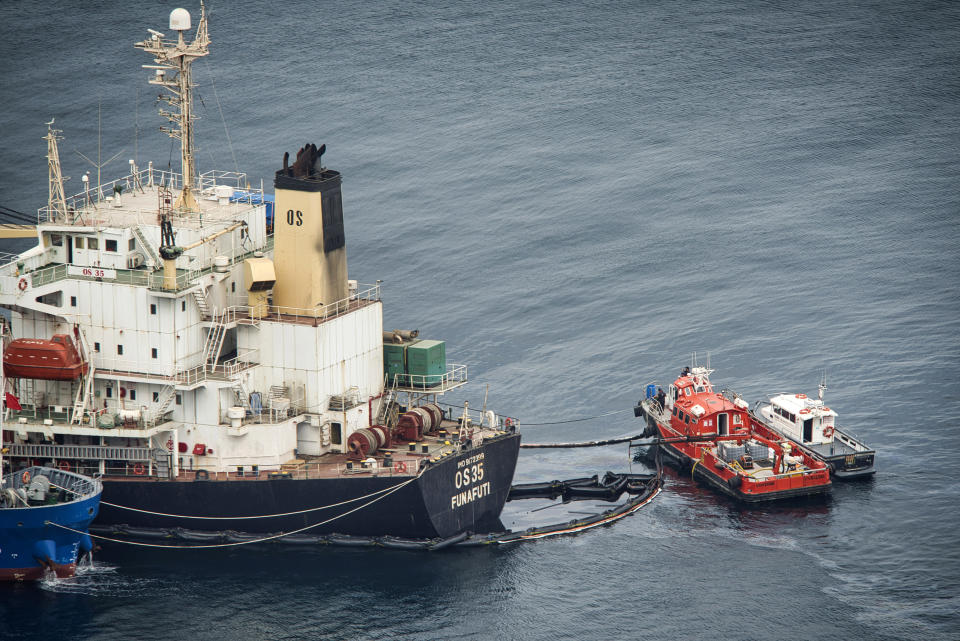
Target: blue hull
{"x": 31, "y": 543}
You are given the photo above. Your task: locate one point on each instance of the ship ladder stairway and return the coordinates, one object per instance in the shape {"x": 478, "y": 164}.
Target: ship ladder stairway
{"x": 85, "y": 391}
{"x": 386, "y": 414}
{"x": 211, "y": 349}
{"x": 201, "y": 303}
{"x": 153, "y": 258}
{"x": 164, "y": 401}
{"x": 243, "y": 396}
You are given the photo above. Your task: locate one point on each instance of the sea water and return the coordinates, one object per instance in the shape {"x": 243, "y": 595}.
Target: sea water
{"x": 576, "y": 197}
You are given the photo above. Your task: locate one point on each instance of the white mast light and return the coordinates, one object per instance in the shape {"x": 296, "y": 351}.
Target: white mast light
{"x": 180, "y": 20}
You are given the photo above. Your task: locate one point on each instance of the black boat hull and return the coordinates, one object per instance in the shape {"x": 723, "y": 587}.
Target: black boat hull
{"x": 428, "y": 506}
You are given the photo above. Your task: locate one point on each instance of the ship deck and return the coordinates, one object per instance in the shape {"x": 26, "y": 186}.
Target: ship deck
{"x": 405, "y": 461}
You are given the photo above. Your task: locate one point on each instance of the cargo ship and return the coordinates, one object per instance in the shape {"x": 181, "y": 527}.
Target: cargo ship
{"x": 812, "y": 426}
{"x": 197, "y": 344}
{"x": 715, "y": 439}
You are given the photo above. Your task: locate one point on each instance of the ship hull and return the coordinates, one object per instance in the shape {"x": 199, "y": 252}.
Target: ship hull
{"x": 31, "y": 543}
{"x": 436, "y": 503}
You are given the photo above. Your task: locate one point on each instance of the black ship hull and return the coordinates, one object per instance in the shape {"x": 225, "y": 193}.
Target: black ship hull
{"x": 439, "y": 502}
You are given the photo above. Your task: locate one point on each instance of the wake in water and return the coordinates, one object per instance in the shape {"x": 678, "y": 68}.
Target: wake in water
{"x": 92, "y": 578}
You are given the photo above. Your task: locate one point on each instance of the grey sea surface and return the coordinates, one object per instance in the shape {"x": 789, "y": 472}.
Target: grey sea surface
{"x": 576, "y": 197}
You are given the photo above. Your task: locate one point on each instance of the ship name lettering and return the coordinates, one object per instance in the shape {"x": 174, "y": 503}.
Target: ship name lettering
{"x": 469, "y": 496}
{"x": 468, "y": 476}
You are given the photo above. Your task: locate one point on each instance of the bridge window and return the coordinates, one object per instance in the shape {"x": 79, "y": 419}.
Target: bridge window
{"x": 132, "y": 244}
{"x": 179, "y": 399}
{"x": 78, "y": 242}
{"x": 109, "y": 392}
{"x": 736, "y": 419}
{"x": 96, "y": 347}
{"x": 133, "y": 395}
{"x": 93, "y": 243}
{"x": 110, "y": 245}
{"x": 156, "y": 396}
{"x": 153, "y": 352}
{"x": 56, "y": 240}
{"x": 153, "y": 308}
{"x": 73, "y": 301}
{"x": 120, "y": 350}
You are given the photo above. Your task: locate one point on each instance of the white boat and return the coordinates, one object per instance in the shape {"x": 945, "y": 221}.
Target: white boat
{"x": 812, "y": 425}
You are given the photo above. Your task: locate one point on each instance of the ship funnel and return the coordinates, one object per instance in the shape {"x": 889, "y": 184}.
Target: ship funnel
{"x": 310, "y": 253}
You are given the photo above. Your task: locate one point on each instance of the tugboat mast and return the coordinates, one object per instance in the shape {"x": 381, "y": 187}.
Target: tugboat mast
{"x": 177, "y": 58}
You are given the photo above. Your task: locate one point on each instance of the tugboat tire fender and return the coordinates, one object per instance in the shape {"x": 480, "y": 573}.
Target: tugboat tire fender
{"x": 734, "y": 482}
{"x": 202, "y": 475}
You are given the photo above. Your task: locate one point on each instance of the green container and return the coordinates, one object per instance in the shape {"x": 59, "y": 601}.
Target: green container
{"x": 395, "y": 361}
{"x": 427, "y": 363}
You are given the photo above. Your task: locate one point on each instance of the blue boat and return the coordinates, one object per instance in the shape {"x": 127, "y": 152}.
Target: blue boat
{"x": 44, "y": 516}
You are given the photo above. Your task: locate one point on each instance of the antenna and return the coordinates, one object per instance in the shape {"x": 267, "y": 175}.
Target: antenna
{"x": 99, "y": 165}
{"x": 823, "y": 385}
{"x": 178, "y": 58}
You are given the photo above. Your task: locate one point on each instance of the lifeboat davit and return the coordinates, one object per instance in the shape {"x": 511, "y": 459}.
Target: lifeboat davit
{"x": 56, "y": 359}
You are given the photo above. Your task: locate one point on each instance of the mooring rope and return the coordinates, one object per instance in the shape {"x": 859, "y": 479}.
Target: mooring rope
{"x": 237, "y": 543}
{"x": 576, "y": 420}
{"x": 234, "y": 518}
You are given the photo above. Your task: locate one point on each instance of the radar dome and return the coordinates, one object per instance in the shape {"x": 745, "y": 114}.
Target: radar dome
{"x": 179, "y": 19}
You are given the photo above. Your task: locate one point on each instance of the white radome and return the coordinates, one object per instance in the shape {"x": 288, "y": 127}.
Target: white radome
{"x": 179, "y": 19}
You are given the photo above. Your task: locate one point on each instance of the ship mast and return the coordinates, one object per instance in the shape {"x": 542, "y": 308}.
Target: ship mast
{"x": 56, "y": 200}
{"x": 177, "y": 58}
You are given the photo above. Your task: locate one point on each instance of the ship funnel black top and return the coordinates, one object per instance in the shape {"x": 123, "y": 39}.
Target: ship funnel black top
{"x": 307, "y": 173}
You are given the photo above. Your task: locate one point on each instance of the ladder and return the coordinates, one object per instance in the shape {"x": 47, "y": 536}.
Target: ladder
{"x": 243, "y": 396}
{"x": 164, "y": 401}
{"x": 85, "y": 391}
{"x": 201, "y": 303}
{"x": 384, "y": 414}
{"x": 214, "y": 343}
{"x": 153, "y": 258}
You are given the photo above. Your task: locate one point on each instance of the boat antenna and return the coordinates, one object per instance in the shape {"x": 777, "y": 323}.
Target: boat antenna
{"x": 177, "y": 58}
{"x": 823, "y": 385}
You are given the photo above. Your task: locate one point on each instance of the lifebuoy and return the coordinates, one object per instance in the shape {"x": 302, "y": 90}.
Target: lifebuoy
{"x": 805, "y": 411}
{"x": 400, "y": 467}
{"x": 25, "y": 477}
{"x": 508, "y": 422}
{"x": 64, "y": 465}
{"x": 123, "y": 392}
{"x": 170, "y": 444}
{"x": 800, "y": 395}
{"x": 825, "y": 408}
{"x": 22, "y": 284}
{"x": 139, "y": 469}
{"x": 828, "y": 431}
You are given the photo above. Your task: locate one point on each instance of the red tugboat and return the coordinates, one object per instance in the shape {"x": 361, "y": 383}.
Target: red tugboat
{"x": 718, "y": 441}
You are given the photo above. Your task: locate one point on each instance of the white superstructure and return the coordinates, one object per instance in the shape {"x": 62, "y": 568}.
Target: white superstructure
{"x": 182, "y": 356}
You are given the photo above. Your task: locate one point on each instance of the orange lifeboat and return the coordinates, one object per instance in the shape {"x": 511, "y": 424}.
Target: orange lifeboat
{"x": 56, "y": 359}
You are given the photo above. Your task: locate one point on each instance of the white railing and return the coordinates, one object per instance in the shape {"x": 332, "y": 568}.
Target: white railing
{"x": 455, "y": 376}
{"x": 275, "y": 312}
